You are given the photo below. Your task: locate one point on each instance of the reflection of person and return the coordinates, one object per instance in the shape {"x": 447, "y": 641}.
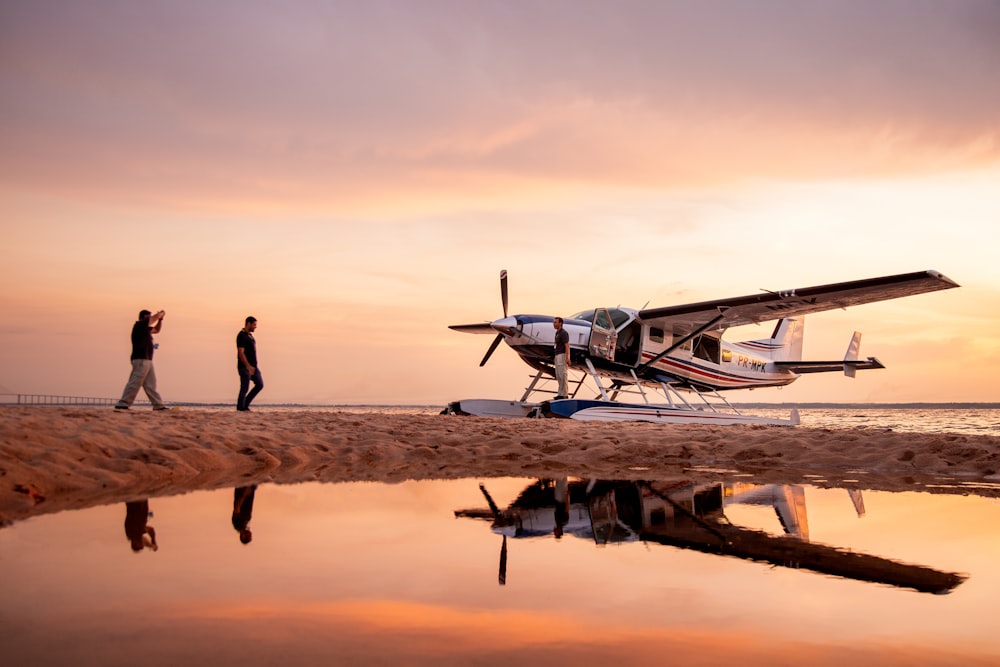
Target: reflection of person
{"x": 242, "y": 511}
{"x": 142, "y": 361}
{"x": 561, "y": 351}
{"x": 561, "y": 498}
{"x": 140, "y": 535}
{"x": 246, "y": 364}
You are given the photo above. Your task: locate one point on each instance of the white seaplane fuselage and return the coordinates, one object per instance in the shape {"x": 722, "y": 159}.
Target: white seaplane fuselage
{"x": 705, "y": 362}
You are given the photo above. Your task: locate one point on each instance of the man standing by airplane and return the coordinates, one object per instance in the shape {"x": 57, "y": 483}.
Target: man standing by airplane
{"x": 561, "y": 351}
{"x": 246, "y": 365}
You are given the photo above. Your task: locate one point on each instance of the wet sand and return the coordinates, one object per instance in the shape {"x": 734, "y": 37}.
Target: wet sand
{"x": 52, "y": 458}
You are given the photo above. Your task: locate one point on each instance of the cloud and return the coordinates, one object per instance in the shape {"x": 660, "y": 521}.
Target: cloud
{"x": 361, "y": 106}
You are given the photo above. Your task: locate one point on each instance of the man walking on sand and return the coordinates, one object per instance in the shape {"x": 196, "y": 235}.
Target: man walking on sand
{"x": 246, "y": 365}
{"x": 142, "y": 361}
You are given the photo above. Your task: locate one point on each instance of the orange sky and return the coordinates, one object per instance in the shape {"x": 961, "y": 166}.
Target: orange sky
{"x": 357, "y": 174}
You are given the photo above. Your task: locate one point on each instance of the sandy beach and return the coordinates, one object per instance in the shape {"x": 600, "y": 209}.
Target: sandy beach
{"x": 54, "y": 458}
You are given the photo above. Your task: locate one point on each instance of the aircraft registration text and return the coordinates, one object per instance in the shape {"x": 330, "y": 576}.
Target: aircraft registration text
{"x": 743, "y": 361}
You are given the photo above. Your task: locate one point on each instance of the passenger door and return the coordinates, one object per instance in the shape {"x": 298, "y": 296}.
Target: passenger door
{"x": 603, "y": 336}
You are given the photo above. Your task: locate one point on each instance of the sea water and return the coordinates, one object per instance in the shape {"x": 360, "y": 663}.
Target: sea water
{"x": 921, "y": 418}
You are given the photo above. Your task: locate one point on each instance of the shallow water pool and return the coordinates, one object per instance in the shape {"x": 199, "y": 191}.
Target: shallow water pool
{"x": 565, "y": 571}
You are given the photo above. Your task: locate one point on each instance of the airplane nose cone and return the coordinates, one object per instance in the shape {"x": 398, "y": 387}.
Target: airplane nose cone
{"x": 507, "y": 326}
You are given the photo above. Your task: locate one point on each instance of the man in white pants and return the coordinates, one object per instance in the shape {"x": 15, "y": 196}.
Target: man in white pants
{"x": 561, "y": 351}
{"x": 142, "y": 361}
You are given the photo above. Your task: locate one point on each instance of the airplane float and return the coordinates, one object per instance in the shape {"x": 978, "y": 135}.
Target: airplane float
{"x": 676, "y": 353}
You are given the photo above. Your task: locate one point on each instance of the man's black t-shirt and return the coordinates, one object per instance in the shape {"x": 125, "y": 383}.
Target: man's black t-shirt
{"x": 142, "y": 340}
{"x": 136, "y": 516}
{"x": 562, "y": 337}
{"x": 249, "y": 345}
{"x": 243, "y": 506}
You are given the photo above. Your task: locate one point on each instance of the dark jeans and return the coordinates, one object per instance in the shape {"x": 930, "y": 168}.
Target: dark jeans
{"x": 243, "y": 400}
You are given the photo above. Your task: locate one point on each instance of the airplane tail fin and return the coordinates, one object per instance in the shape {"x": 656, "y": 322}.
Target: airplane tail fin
{"x": 853, "y": 348}
{"x": 785, "y": 344}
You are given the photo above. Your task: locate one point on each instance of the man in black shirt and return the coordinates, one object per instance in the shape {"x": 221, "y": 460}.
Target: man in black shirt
{"x": 243, "y": 511}
{"x": 142, "y": 361}
{"x": 246, "y": 365}
{"x": 561, "y": 357}
{"x": 139, "y": 533}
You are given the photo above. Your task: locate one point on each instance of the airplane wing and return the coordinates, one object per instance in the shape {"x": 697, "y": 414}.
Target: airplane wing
{"x": 766, "y": 306}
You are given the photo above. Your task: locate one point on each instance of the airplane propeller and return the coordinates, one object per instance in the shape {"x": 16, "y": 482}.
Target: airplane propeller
{"x": 507, "y": 326}
{"x": 499, "y": 338}
{"x": 497, "y": 515}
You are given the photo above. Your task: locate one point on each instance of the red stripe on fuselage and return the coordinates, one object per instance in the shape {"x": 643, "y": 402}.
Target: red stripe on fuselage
{"x": 770, "y": 347}
{"x": 690, "y": 371}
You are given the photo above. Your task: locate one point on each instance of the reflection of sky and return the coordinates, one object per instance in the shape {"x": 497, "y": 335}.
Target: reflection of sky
{"x": 388, "y": 570}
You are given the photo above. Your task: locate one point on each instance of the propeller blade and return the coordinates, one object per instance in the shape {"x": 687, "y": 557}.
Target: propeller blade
{"x": 493, "y": 347}
{"x": 502, "y": 574}
{"x": 480, "y": 328}
{"x": 490, "y": 502}
{"x": 503, "y": 290}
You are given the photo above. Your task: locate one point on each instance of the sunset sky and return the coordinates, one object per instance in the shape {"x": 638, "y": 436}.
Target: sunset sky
{"x": 356, "y": 175}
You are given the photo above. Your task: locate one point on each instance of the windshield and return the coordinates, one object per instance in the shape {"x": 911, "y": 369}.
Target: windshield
{"x": 618, "y": 317}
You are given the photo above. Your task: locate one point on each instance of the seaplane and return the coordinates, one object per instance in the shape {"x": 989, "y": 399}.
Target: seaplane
{"x": 670, "y": 364}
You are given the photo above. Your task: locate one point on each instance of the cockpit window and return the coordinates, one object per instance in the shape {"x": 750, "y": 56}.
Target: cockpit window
{"x": 618, "y": 317}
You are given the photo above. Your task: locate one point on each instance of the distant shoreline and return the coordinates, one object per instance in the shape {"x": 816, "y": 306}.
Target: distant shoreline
{"x": 966, "y": 405}
{"x": 888, "y": 406}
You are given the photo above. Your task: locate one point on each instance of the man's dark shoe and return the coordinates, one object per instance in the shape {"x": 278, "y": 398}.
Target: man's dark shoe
{"x": 121, "y": 407}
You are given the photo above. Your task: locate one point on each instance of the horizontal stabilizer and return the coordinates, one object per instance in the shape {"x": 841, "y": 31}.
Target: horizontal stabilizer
{"x": 829, "y": 366}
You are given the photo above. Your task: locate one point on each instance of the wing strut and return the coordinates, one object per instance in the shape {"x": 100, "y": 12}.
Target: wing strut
{"x": 697, "y": 332}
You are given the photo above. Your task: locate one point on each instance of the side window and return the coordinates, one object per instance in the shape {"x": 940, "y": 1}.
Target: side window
{"x": 656, "y": 335}
{"x": 601, "y": 319}
{"x": 707, "y": 348}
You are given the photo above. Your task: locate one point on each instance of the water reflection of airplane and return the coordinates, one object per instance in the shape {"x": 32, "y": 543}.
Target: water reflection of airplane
{"x": 691, "y": 515}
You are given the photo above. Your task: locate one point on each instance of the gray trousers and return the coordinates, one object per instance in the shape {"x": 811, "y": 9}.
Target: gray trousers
{"x": 142, "y": 376}
{"x": 561, "y": 374}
